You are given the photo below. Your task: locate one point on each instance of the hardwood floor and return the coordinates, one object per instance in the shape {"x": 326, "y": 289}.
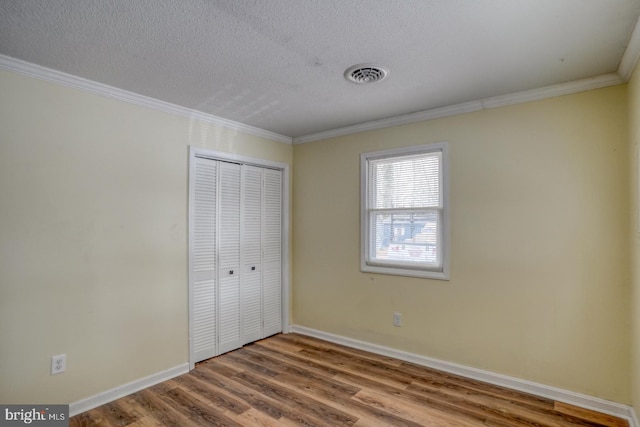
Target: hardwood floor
{"x": 293, "y": 380}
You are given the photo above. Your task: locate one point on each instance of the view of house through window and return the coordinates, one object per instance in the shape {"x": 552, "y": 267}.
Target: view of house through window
{"x": 404, "y": 211}
{"x": 410, "y": 237}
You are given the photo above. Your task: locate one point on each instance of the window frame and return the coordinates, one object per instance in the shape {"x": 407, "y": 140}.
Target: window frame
{"x": 400, "y": 269}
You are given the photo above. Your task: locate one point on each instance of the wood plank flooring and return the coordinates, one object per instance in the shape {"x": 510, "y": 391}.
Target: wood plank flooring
{"x": 294, "y": 380}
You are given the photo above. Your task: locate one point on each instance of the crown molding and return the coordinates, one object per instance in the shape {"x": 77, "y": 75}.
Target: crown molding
{"x": 605, "y": 80}
{"x": 631, "y": 54}
{"x": 419, "y": 116}
{"x": 568, "y": 88}
{"x": 69, "y": 80}
{"x": 630, "y": 58}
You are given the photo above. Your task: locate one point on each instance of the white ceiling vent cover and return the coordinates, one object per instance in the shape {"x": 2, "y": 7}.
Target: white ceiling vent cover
{"x": 365, "y": 73}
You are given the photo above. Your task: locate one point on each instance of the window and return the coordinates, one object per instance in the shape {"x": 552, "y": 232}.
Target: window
{"x": 404, "y": 212}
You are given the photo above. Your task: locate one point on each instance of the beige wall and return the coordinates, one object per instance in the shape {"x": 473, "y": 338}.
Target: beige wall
{"x": 540, "y": 278}
{"x": 634, "y": 155}
{"x": 93, "y": 237}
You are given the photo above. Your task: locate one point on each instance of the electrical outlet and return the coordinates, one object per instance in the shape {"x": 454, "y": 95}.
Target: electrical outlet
{"x": 58, "y": 364}
{"x": 397, "y": 319}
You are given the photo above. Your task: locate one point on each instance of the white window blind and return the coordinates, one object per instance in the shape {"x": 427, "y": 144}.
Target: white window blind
{"x": 404, "y": 211}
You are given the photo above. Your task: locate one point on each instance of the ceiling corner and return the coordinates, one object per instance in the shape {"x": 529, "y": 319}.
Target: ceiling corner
{"x": 631, "y": 54}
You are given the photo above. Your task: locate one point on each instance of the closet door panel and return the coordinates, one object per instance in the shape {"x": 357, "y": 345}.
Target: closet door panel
{"x": 272, "y": 252}
{"x": 203, "y": 268}
{"x": 252, "y": 201}
{"x": 229, "y": 333}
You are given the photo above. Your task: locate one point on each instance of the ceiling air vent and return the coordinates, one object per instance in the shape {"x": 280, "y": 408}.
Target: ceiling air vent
{"x": 365, "y": 73}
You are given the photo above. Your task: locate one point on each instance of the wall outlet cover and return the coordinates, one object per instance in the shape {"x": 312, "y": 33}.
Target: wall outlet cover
{"x": 58, "y": 364}
{"x": 397, "y": 319}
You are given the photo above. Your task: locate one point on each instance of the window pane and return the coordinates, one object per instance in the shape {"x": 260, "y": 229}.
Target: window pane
{"x": 407, "y": 237}
{"x": 411, "y": 181}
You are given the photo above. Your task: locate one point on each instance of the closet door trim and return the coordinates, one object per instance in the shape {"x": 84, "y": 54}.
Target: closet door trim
{"x": 195, "y": 153}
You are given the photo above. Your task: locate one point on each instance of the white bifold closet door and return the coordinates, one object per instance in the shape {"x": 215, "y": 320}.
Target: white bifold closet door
{"x": 253, "y": 202}
{"x": 204, "y": 259}
{"x": 229, "y": 255}
{"x": 236, "y": 255}
{"x": 272, "y": 253}
{"x": 262, "y": 243}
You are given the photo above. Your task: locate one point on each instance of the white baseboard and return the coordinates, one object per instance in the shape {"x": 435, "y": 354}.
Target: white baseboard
{"x": 125, "y": 389}
{"x": 549, "y": 392}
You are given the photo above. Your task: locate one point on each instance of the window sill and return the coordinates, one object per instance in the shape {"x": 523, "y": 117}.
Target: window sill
{"x": 407, "y": 272}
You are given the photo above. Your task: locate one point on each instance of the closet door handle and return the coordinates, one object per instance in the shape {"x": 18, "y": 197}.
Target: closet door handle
{"x": 230, "y": 271}
{"x": 253, "y": 268}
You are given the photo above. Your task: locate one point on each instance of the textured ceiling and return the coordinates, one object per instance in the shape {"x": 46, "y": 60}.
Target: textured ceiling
{"x": 278, "y": 64}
